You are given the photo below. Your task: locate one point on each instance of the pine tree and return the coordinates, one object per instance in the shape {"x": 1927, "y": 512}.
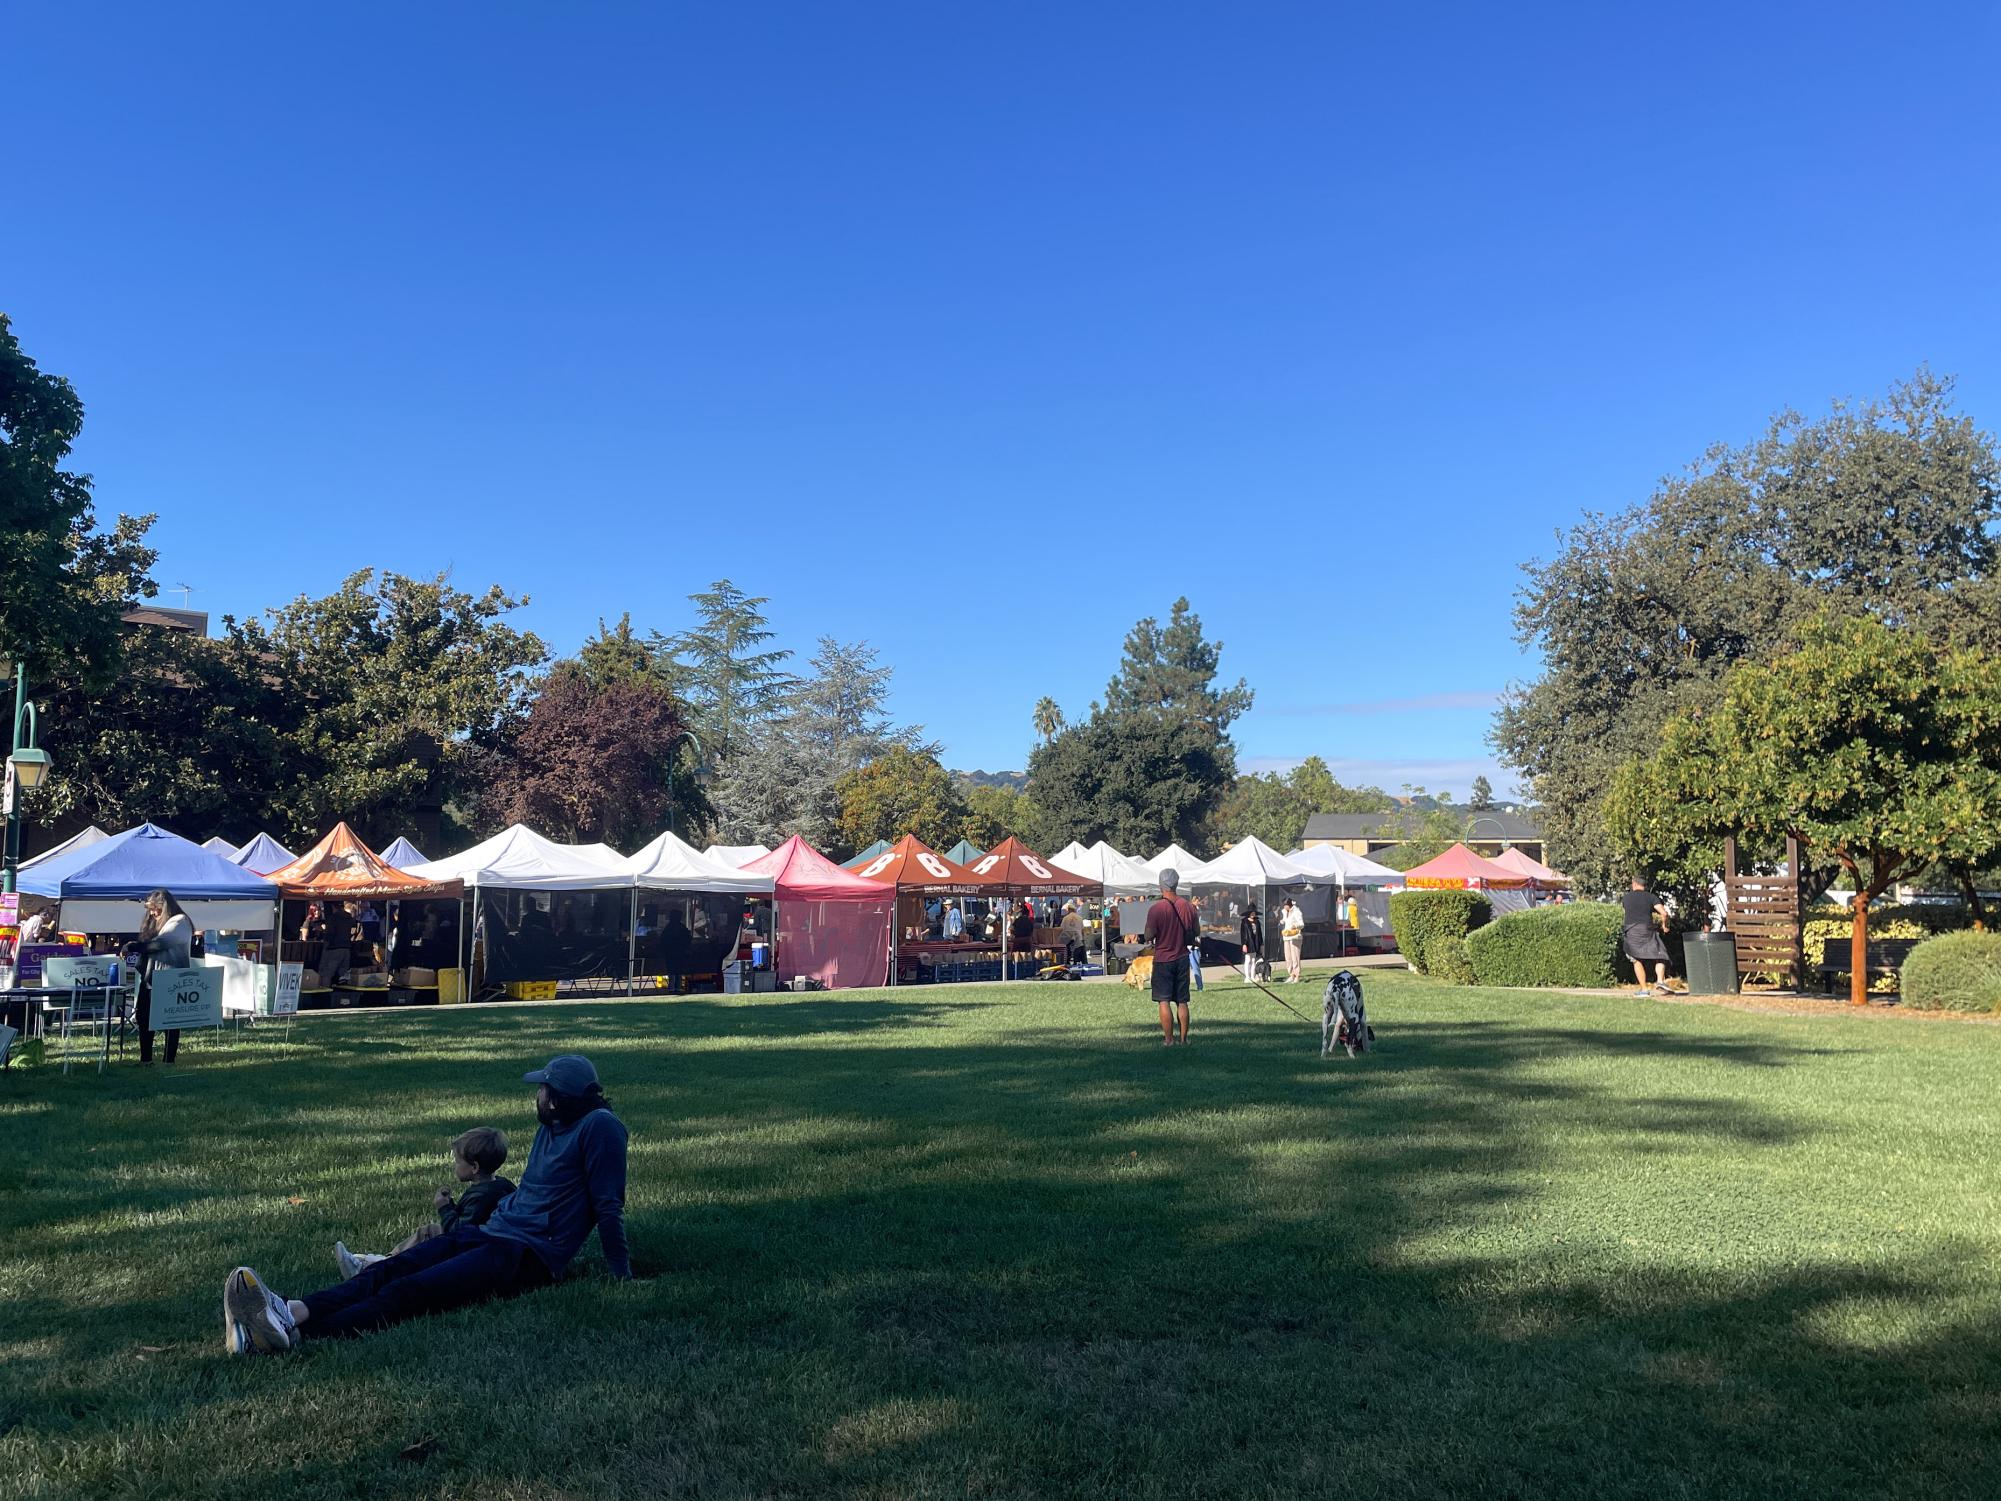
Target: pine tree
{"x": 731, "y": 686}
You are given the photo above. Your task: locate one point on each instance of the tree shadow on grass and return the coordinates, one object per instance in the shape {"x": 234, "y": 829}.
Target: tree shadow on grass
{"x": 1043, "y": 1261}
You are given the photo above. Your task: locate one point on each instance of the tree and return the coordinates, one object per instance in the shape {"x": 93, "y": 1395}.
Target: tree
{"x": 1483, "y": 795}
{"x": 1136, "y": 779}
{"x": 899, "y": 792}
{"x": 1878, "y": 748}
{"x": 616, "y": 654}
{"x": 589, "y": 760}
{"x": 1275, "y": 806}
{"x": 1423, "y": 829}
{"x": 1174, "y": 671}
{"x": 1886, "y": 509}
{"x": 1048, "y": 718}
{"x": 65, "y": 584}
{"x": 731, "y": 685}
{"x": 994, "y": 813}
{"x": 391, "y": 695}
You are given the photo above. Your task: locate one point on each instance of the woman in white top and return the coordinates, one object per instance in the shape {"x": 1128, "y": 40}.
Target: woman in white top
{"x": 166, "y": 941}
{"x": 1292, "y": 931}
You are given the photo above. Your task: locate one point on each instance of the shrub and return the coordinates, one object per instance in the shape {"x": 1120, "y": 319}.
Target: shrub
{"x": 1573, "y": 944}
{"x": 1447, "y": 956}
{"x": 1826, "y": 931}
{"x": 1420, "y": 918}
{"x": 1955, "y": 972}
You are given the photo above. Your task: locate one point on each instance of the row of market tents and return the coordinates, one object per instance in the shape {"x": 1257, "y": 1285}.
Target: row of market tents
{"x": 835, "y": 925}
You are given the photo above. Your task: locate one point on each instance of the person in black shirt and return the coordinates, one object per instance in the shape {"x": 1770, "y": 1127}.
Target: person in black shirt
{"x": 1251, "y": 934}
{"x": 1644, "y": 914}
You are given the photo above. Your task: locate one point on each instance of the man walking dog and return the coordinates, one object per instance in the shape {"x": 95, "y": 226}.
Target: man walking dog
{"x": 1172, "y": 927}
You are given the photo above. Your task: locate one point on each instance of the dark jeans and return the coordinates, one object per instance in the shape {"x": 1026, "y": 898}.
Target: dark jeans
{"x": 447, "y": 1271}
{"x": 144, "y": 1017}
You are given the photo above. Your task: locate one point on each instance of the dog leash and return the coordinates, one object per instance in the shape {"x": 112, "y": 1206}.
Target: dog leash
{"x": 1293, "y": 1009}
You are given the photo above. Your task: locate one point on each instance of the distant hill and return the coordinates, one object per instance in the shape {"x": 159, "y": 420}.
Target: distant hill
{"x": 1018, "y": 780}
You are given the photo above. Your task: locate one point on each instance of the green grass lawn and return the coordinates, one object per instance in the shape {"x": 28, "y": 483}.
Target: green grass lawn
{"x": 996, "y": 1241}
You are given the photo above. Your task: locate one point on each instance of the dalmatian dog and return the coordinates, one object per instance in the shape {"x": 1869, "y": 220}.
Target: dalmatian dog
{"x": 1344, "y": 1021}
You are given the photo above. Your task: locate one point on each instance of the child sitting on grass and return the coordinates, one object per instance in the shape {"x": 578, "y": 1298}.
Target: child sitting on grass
{"x": 476, "y": 1160}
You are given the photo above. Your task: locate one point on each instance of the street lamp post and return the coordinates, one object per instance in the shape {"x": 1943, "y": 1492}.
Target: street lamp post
{"x": 1473, "y": 830}
{"x": 27, "y": 765}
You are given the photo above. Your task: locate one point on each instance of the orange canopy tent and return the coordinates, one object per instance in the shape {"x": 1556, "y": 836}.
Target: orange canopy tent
{"x": 1537, "y": 872}
{"x": 340, "y": 867}
{"x": 1022, "y": 872}
{"x": 1459, "y": 869}
{"x": 912, "y": 865}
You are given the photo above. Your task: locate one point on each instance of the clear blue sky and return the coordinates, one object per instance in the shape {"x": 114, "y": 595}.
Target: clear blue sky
{"x": 980, "y": 331}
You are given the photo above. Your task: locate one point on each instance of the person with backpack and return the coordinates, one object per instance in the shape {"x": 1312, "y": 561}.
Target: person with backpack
{"x": 1171, "y": 927}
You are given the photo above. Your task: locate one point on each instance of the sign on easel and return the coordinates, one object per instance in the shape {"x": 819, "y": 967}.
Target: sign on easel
{"x": 285, "y": 996}
{"x": 186, "y": 998}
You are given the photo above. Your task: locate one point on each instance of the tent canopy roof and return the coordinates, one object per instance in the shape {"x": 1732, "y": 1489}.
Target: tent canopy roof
{"x": 1105, "y": 865}
{"x": 965, "y": 852}
{"x": 1252, "y": 862}
{"x": 1018, "y": 869}
{"x": 912, "y": 865}
{"x": 519, "y": 859}
{"x": 1526, "y": 865}
{"x": 802, "y": 874}
{"x": 857, "y": 861}
{"x": 83, "y": 839}
{"x": 670, "y": 863}
{"x": 402, "y": 854}
{"x": 736, "y": 856}
{"x": 1174, "y": 855}
{"x": 262, "y": 855}
{"x": 340, "y": 865}
{"x": 129, "y": 866}
{"x": 1459, "y": 867}
{"x": 219, "y": 846}
{"x": 1349, "y": 870}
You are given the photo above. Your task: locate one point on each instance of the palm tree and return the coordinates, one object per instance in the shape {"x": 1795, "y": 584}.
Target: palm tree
{"x": 1048, "y": 719}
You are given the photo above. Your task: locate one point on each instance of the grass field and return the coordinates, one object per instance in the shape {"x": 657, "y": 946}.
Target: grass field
{"x": 996, "y": 1241}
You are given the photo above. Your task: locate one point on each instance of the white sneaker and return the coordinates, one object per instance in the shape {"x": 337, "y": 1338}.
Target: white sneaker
{"x": 346, "y": 1260}
{"x": 255, "y": 1320}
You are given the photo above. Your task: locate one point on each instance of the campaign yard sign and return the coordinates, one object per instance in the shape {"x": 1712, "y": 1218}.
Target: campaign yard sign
{"x": 186, "y": 998}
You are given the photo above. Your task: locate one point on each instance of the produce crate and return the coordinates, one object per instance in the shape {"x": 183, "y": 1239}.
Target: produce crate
{"x": 527, "y": 990}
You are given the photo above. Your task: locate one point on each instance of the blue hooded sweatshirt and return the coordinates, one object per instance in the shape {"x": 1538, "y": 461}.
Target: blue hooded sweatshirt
{"x": 575, "y": 1179}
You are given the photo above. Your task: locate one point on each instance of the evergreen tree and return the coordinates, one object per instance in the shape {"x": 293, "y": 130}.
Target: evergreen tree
{"x": 1174, "y": 671}
{"x": 732, "y": 686}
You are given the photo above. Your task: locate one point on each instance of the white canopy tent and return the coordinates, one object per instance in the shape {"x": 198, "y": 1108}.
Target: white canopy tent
{"x": 261, "y": 855}
{"x": 1120, "y": 875}
{"x": 1365, "y": 883}
{"x": 1174, "y": 855}
{"x": 1252, "y": 862}
{"x": 670, "y": 863}
{"x": 220, "y": 846}
{"x": 1252, "y": 871}
{"x": 402, "y": 854}
{"x": 736, "y": 856}
{"x": 519, "y": 859}
{"x": 83, "y": 839}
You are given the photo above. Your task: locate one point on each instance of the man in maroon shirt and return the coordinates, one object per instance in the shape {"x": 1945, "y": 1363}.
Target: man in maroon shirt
{"x": 1173, "y": 929}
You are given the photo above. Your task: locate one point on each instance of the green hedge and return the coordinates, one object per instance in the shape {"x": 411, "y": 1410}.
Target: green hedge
{"x": 1421, "y": 919}
{"x": 1955, "y": 972}
{"x": 1829, "y": 929}
{"x": 1446, "y": 954}
{"x": 1576, "y": 943}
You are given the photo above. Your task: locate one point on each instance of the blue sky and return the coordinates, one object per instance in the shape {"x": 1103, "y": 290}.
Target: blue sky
{"x": 981, "y": 331}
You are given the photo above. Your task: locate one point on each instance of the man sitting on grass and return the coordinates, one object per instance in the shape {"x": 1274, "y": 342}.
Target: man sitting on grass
{"x": 575, "y": 1179}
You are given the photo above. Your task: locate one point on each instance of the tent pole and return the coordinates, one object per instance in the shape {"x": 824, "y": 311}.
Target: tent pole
{"x": 632, "y": 944}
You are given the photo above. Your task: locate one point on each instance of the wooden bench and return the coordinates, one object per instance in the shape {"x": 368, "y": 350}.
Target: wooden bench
{"x": 1885, "y": 957}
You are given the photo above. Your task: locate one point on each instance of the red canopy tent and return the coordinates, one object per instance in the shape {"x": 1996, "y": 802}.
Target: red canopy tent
{"x": 833, "y": 925}
{"x": 916, "y": 871}
{"x": 1022, "y": 872}
{"x": 1538, "y": 873}
{"x": 1459, "y": 869}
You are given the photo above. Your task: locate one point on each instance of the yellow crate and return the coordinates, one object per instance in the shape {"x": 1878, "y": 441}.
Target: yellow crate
{"x": 531, "y": 990}
{"x": 451, "y": 987}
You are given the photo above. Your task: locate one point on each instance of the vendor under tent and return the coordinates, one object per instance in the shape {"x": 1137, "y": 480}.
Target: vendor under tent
{"x": 543, "y": 911}
{"x": 965, "y": 852}
{"x": 340, "y": 868}
{"x": 402, "y": 854}
{"x": 217, "y": 845}
{"x": 1252, "y": 871}
{"x": 103, "y": 886}
{"x": 1364, "y": 886}
{"x": 262, "y": 855}
{"x": 1459, "y": 869}
{"x": 833, "y": 925}
{"x": 1129, "y": 888}
{"x": 736, "y": 856}
{"x": 83, "y": 839}
{"x": 689, "y": 912}
{"x": 874, "y": 851}
{"x": 1541, "y": 877}
{"x": 925, "y": 881}
{"x": 1025, "y": 874}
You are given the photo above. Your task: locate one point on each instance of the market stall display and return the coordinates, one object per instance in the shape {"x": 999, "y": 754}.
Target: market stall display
{"x": 542, "y": 911}
{"x": 1364, "y": 888}
{"x": 695, "y": 916}
{"x": 925, "y": 881}
{"x": 341, "y": 869}
{"x": 1459, "y": 869}
{"x": 833, "y": 925}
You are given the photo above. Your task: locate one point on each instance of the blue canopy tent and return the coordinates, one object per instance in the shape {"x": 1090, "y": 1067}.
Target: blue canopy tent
{"x": 403, "y": 854}
{"x": 103, "y": 886}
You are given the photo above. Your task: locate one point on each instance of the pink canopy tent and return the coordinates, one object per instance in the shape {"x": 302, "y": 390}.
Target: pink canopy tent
{"x": 833, "y": 925}
{"x": 1459, "y": 869}
{"x": 1537, "y": 872}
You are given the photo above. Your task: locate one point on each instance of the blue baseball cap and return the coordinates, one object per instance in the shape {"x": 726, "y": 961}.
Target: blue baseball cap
{"x": 571, "y": 1074}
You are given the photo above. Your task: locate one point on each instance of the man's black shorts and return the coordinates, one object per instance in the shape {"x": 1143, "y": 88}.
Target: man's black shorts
{"x": 1170, "y": 981}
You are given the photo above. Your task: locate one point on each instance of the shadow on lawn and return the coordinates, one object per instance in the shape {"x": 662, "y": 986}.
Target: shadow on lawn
{"x": 1226, "y": 1269}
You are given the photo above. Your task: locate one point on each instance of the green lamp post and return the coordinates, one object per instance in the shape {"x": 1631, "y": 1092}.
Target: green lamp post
{"x": 27, "y": 767}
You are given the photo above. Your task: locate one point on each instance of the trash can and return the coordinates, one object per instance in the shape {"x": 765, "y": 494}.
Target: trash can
{"x": 1712, "y": 963}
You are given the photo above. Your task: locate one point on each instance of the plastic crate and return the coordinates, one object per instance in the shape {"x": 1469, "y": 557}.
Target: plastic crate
{"x": 529, "y": 990}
